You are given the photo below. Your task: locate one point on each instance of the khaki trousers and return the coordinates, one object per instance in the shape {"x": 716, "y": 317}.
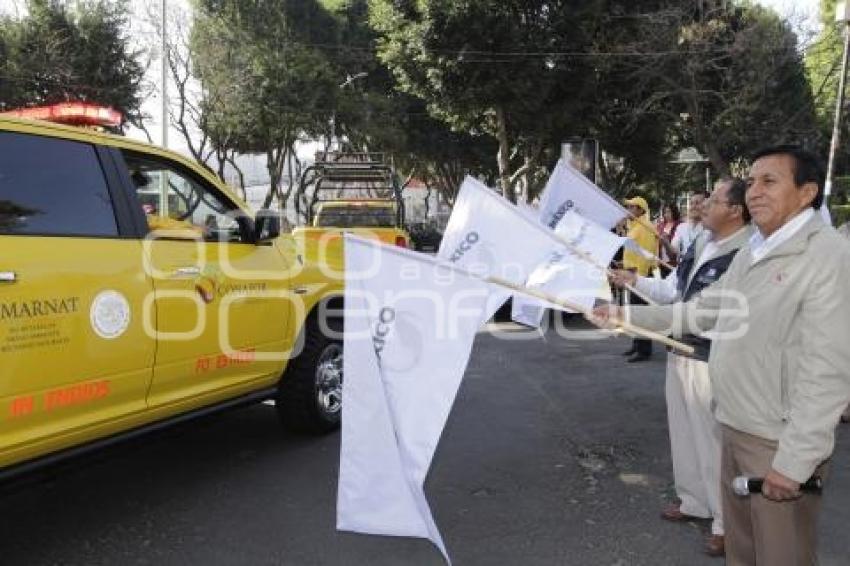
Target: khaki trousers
{"x": 761, "y": 532}
{"x": 694, "y": 439}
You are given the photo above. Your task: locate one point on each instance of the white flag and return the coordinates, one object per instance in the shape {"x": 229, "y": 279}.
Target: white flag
{"x": 527, "y": 311}
{"x": 567, "y": 189}
{"x": 596, "y": 246}
{"x": 581, "y": 279}
{"x": 589, "y": 238}
{"x": 528, "y": 211}
{"x": 569, "y": 277}
{"x": 489, "y": 236}
{"x": 410, "y": 322}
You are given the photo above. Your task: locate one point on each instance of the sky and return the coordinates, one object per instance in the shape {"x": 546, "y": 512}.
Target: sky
{"x": 804, "y": 14}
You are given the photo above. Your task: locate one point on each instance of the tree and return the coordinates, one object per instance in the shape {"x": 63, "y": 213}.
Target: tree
{"x": 487, "y": 66}
{"x": 440, "y": 157}
{"x": 58, "y": 53}
{"x": 267, "y": 83}
{"x": 634, "y": 137}
{"x": 373, "y": 115}
{"x": 823, "y": 64}
{"x": 188, "y": 101}
{"x": 729, "y": 78}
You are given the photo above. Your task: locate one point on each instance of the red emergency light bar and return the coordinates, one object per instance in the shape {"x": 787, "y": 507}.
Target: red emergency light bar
{"x": 71, "y": 113}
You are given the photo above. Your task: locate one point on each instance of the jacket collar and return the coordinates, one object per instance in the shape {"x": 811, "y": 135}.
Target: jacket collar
{"x": 735, "y": 241}
{"x": 728, "y": 244}
{"x": 796, "y": 244}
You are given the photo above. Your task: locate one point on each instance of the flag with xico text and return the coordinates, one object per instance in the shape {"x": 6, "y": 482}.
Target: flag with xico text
{"x": 410, "y": 322}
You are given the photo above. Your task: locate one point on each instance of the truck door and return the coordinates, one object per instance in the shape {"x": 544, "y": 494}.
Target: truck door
{"x": 73, "y": 350}
{"x": 220, "y": 300}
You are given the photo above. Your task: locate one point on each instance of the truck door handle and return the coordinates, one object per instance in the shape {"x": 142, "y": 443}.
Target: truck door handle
{"x": 182, "y": 272}
{"x": 8, "y": 277}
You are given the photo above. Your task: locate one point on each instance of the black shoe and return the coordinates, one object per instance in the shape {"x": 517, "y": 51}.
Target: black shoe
{"x": 638, "y": 358}
{"x": 631, "y": 351}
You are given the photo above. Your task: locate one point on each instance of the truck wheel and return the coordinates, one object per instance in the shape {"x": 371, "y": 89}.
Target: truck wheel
{"x": 309, "y": 396}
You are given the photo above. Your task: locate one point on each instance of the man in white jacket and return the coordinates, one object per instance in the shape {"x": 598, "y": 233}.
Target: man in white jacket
{"x": 780, "y": 361}
{"x": 694, "y": 432}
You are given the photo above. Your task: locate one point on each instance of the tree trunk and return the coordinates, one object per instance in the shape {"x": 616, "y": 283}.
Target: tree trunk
{"x": 274, "y": 166}
{"x": 504, "y": 156}
{"x": 427, "y": 199}
{"x": 703, "y": 139}
{"x": 290, "y": 152}
{"x": 231, "y": 158}
{"x": 221, "y": 160}
{"x": 720, "y": 165}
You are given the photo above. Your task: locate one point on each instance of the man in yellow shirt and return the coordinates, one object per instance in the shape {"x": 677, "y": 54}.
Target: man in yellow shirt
{"x": 640, "y": 231}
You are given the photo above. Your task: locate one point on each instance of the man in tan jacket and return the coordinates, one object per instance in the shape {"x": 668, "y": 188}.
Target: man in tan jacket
{"x": 779, "y": 361}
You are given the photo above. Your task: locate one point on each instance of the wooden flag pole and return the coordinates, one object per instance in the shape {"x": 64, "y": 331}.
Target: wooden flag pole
{"x": 625, "y": 325}
{"x": 622, "y": 324}
{"x": 588, "y": 258}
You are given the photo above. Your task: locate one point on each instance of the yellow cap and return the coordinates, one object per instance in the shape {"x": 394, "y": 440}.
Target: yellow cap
{"x": 640, "y": 202}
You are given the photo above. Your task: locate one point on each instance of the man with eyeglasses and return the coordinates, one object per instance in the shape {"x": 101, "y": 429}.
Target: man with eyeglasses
{"x": 694, "y": 432}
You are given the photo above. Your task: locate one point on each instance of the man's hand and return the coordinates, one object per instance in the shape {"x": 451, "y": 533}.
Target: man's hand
{"x": 606, "y": 316}
{"x": 779, "y": 488}
{"x": 622, "y": 278}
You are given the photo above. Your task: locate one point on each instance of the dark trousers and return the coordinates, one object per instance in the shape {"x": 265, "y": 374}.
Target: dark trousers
{"x": 640, "y": 345}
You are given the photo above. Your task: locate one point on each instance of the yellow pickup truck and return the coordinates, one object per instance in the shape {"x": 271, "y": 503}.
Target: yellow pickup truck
{"x": 136, "y": 290}
{"x": 352, "y": 193}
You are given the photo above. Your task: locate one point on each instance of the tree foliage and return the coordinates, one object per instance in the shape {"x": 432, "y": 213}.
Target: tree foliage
{"x": 61, "y": 52}
{"x": 267, "y": 80}
{"x": 484, "y": 66}
{"x": 491, "y": 87}
{"x": 373, "y": 114}
{"x": 647, "y": 78}
{"x": 823, "y": 64}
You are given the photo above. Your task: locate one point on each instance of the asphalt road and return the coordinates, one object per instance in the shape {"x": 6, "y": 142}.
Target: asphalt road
{"x": 556, "y": 453}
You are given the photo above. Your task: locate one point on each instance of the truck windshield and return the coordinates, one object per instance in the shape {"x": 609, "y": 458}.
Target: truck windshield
{"x": 356, "y": 217}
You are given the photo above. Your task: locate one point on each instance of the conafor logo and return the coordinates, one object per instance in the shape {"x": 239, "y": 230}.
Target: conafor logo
{"x": 397, "y": 340}
{"x": 560, "y": 212}
{"x": 465, "y": 246}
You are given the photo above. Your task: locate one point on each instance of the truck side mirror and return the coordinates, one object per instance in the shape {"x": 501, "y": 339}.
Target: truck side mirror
{"x": 266, "y": 226}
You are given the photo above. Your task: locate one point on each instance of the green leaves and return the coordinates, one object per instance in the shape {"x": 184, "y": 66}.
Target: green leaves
{"x": 59, "y": 54}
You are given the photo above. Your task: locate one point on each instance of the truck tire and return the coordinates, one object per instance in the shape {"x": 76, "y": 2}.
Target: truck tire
{"x": 309, "y": 398}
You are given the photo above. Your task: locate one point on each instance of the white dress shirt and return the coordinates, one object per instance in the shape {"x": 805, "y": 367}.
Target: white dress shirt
{"x": 761, "y": 246}
{"x": 685, "y": 235}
